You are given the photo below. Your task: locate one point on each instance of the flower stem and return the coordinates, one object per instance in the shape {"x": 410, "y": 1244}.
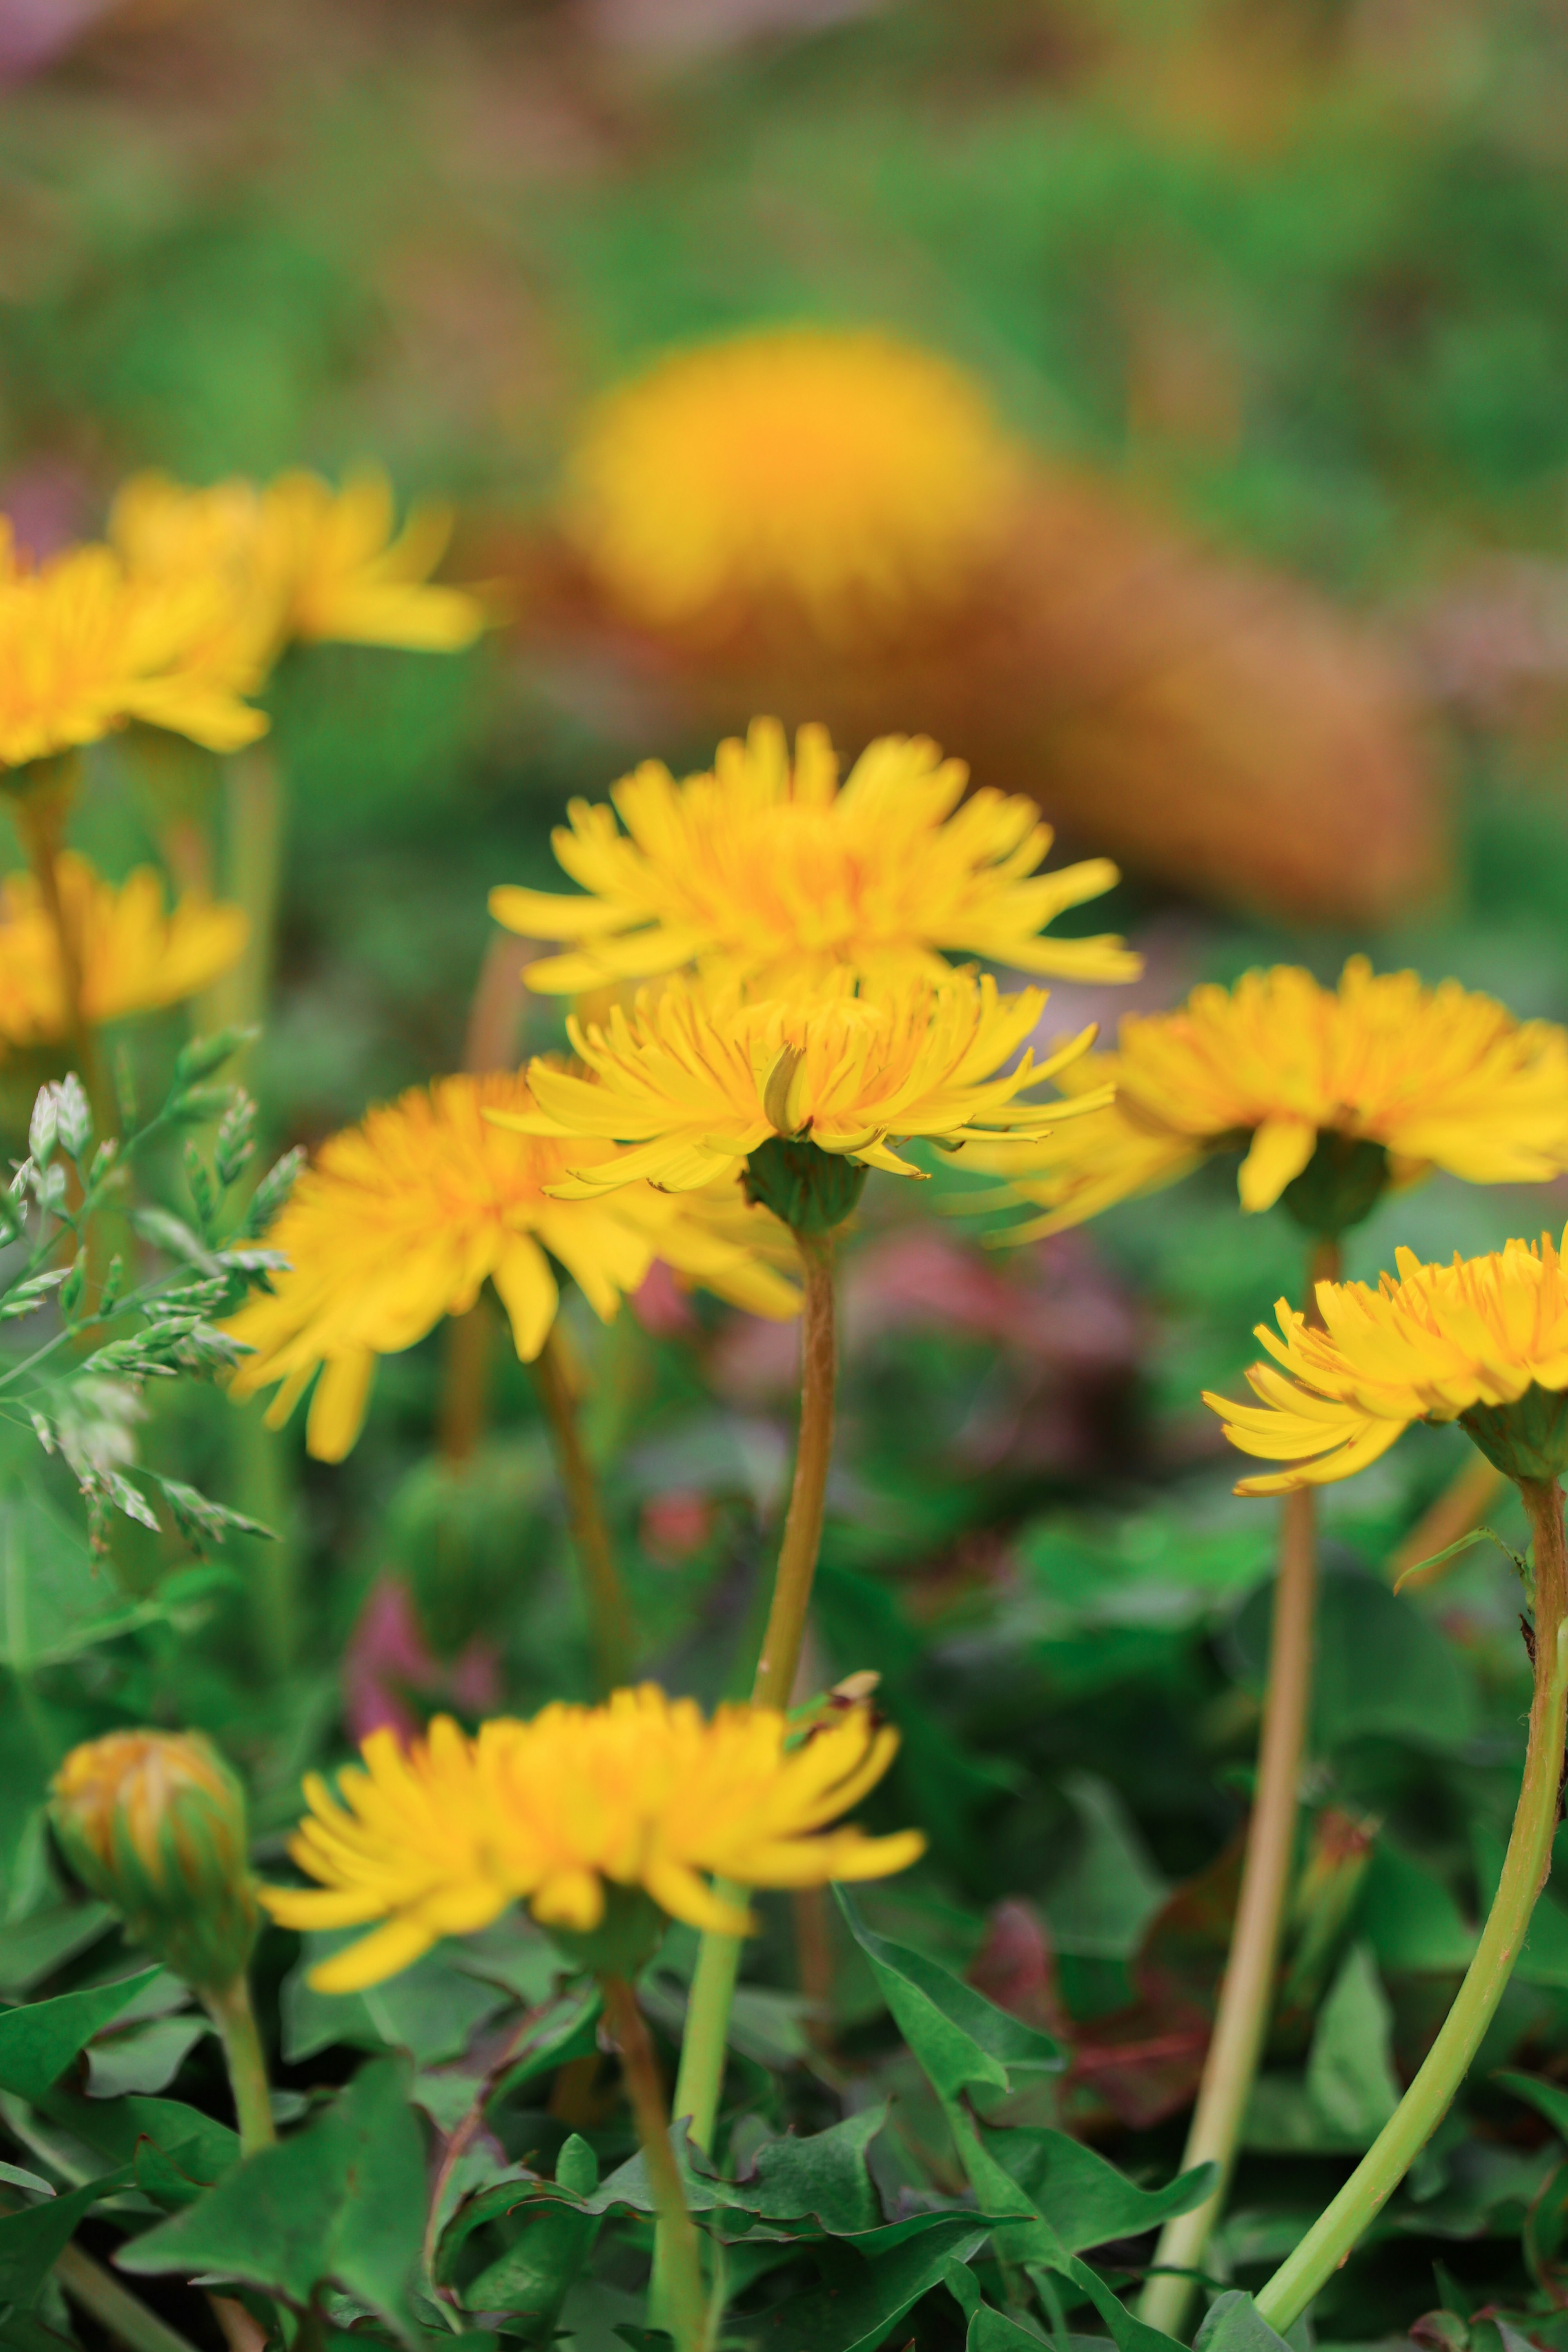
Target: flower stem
{"x": 702, "y": 2075}
{"x": 685, "y": 2299}
{"x": 118, "y": 2312}
{"x": 609, "y": 1615}
{"x": 465, "y": 1383}
{"x": 1246, "y": 1990}
{"x": 1524, "y": 1872}
{"x": 229, "y": 2007}
{"x": 803, "y": 1527}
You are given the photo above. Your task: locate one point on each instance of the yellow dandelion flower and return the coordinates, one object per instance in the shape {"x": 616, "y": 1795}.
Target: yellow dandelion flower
{"x": 844, "y": 471}
{"x": 762, "y": 871}
{"x": 696, "y": 1078}
{"x": 1483, "y": 1341}
{"x": 1426, "y": 1077}
{"x": 86, "y": 646}
{"x": 403, "y": 1218}
{"x": 300, "y": 560}
{"x": 352, "y": 577}
{"x": 133, "y": 956}
{"x": 641, "y": 1793}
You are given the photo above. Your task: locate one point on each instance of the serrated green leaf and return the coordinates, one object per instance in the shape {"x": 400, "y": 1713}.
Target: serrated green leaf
{"x": 1081, "y": 2194}
{"x": 342, "y": 2203}
{"x": 530, "y": 2280}
{"x": 958, "y": 2036}
{"x": 38, "y": 2041}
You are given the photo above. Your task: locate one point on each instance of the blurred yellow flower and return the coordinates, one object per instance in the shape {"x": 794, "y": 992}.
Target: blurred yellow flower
{"x": 1439, "y": 1343}
{"x": 696, "y": 1078}
{"x": 133, "y": 956}
{"x": 86, "y": 646}
{"x": 840, "y": 469}
{"x": 1437, "y": 1076}
{"x": 765, "y": 872}
{"x": 641, "y": 1793}
{"x": 401, "y": 1219}
{"x": 300, "y": 560}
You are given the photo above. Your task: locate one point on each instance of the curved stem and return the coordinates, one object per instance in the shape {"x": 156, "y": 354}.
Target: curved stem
{"x": 1524, "y": 1872}
{"x": 1246, "y": 1990}
{"x": 685, "y": 2299}
{"x": 609, "y": 1615}
{"x": 229, "y": 2007}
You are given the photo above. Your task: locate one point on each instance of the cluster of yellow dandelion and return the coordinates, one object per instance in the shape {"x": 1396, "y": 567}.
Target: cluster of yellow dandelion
{"x": 1435, "y": 1076}
{"x": 402, "y": 1219}
{"x": 847, "y": 472}
{"x": 181, "y": 615}
{"x": 640, "y": 1794}
{"x": 773, "y": 874}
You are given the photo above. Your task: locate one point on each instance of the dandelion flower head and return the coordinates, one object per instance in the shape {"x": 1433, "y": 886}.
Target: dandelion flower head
{"x": 302, "y": 561}
{"x": 842, "y": 471}
{"x": 642, "y": 1792}
{"x": 773, "y": 872}
{"x": 694, "y": 1079}
{"x": 86, "y": 646}
{"x": 1465, "y": 1342}
{"x": 1440, "y": 1077}
{"x": 133, "y": 956}
{"x": 401, "y": 1219}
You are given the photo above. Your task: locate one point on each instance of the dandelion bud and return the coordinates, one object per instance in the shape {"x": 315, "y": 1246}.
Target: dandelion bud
{"x": 153, "y": 1824}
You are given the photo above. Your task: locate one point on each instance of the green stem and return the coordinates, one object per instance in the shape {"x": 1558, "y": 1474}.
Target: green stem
{"x": 116, "y": 2311}
{"x": 229, "y": 2007}
{"x": 685, "y": 2297}
{"x": 1246, "y": 1990}
{"x": 1524, "y": 1872}
{"x": 610, "y": 1613}
{"x": 702, "y": 2076}
{"x": 786, "y": 1629}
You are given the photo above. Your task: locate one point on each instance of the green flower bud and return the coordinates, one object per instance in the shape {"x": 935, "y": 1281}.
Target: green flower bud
{"x": 153, "y": 1824}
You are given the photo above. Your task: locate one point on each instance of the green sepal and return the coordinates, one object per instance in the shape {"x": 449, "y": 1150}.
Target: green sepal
{"x": 1526, "y": 1439}
{"x": 1342, "y": 1182}
{"x": 812, "y": 1189}
{"x": 623, "y": 1943}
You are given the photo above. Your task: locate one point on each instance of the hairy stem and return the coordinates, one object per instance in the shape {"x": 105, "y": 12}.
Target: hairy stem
{"x": 684, "y": 2296}
{"x": 610, "y": 1613}
{"x": 1524, "y": 1872}
{"x": 116, "y": 2311}
{"x": 229, "y": 2007}
{"x": 1246, "y": 1990}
